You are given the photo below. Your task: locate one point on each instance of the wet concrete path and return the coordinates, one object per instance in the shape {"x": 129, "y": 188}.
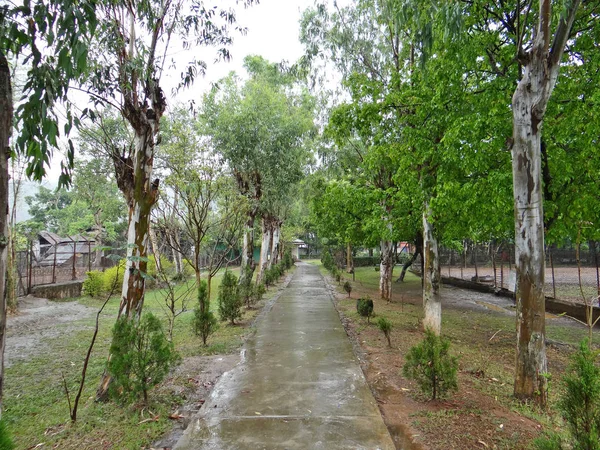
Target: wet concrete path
{"x": 299, "y": 385}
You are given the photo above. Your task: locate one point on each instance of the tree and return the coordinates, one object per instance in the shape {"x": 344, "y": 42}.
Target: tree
{"x": 540, "y": 64}
{"x": 260, "y": 128}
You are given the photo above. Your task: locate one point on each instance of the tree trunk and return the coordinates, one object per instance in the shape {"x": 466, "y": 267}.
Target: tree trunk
{"x": 173, "y": 236}
{"x": 275, "y": 244}
{"x": 349, "y": 261}
{"x": 264, "y": 248}
{"x": 385, "y": 270}
{"x": 529, "y": 102}
{"x": 247, "y": 251}
{"x": 133, "y": 179}
{"x": 410, "y": 262}
{"x": 6, "y": 117}
{"x": 432, "y": 305}
{"x": 155, "y": 250}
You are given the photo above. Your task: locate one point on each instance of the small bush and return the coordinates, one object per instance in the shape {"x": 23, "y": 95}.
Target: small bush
{"x": 551, "y": 441}
{"x": 113, "y": 277}
{"x": 141, "y": 356}
{"x": 580, "y": 404}
{"x": 94, "y": 283}
{"x": 204, "y": 322}
{"x": 338, "y": 276}
{"x": 364, "y": 306}
{"x": 386, "y": 327}
{"x": 288, "y": 260}
{"x": 258, "y": 292}
{"x": 6, "y": 442}
{"x": 431, "y": 366}
{"x": 230, "y": 303}
{"x": 348, "y": 288}
{"x": 327, "y": 260}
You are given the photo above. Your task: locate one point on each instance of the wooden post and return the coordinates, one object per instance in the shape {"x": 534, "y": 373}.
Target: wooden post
{"x": 74, "y": 270}
{"x": 89, "y": 255}
{"x": 552, "y": 267}
{"x": 30, "y": 269}
{"x": 54, "y": 265}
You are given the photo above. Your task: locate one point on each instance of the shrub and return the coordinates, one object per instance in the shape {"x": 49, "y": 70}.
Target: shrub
{"x": 246, "y": 289}
{"x": 580, "y": 404}
{"x": 94, "y": 283}
{"x": 386, "y": 327}
{"x": 204, "y": 321}
{"x": 548, "y": 441}
{"x": 288, "y": 260}
{"x": 327, "y": 260}
{"x": 258, "y": 292}
{"x": 364, "y": 306}
{"x": 338, "y": 275}
{"x": 348, "y": 288}
{"x": 6, "y": 442}
{"x": 431, "y": 366}
{"x": 141, "y": 356}
{"x": 230, "y": 304}
{"x": 113, "y": 277}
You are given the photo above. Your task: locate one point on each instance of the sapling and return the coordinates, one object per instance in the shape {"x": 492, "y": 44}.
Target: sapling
{"x": 348, "y": 288}
{"x": 386, "y": 327}
{"x": 230, "y": 303}
{"x": 364, "y": 307}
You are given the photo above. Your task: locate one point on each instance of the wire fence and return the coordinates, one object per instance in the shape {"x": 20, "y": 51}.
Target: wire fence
{"x": 494, "y": 265}
{"x": 61, "y": 264}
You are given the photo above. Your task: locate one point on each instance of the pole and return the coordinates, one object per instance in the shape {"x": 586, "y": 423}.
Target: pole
{"x": 30, "y": 269}
{"x": 74, "y": 270}
{"x": 552, "y": 267}
{"x": 54, "y": 265}
{"x": 89, "y": 255}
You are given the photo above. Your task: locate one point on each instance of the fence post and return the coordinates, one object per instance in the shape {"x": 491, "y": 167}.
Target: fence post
{"x": 54, "y": 265}
{"x": 74, "y": 270}
{"x": 89, "y": 255}
{"x": 552, "y": 267}
{"x": 597, "y": 271}
{"x": 493, "y": 248}
{"x": 30, "y": 269}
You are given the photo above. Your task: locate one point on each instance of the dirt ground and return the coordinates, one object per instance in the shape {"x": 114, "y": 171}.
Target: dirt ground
{"x": 475, "y": 417}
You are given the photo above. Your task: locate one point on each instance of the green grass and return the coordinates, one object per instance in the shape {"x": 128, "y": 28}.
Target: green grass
{"x": 35, "y": 405}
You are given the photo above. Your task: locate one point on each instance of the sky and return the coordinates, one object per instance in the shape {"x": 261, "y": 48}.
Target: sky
{"x": 272, "y": 31}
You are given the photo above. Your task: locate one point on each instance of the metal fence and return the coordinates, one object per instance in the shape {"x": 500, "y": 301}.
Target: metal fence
{"x": 494, "y": 264}
{"x": 67, "y": 265}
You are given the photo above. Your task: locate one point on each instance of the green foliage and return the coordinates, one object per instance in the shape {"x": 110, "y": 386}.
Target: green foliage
{"x": 549, "y": 441}
{"x": 348, "y": 288}
{"x": 113, "y": 277}
{"x": 230, "y": 302}
{"x": 258, "y": 292}
{"x": 141, "y": 356}
{"x": 94, "y": 283}
{"x": 431, "y": 366}
{"x": 327, "y": 260}
{"x": 288, "y": 260}
{"x": 6, "y": 442}
{"x": 580, "y": 404}
{"x": 364, "y": 307}
{"x": 204, "y": 322}
{"x": 386, "y": 327}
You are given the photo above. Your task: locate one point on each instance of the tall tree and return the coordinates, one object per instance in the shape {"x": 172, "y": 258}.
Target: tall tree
{"x": 540, "y": 59}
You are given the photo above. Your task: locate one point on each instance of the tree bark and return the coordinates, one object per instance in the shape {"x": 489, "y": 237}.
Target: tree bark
{"x": 349, "y": 261}
{"x": 155, "y": 250}
{"x": 264, "y": 248}
{"x": 432, "y": 304}
{"x": 385, "y": 270}
{"x": 276, "y": 236}
{"x": 6, "y": 117}
{"x": 529, "y": 102}
{"x": 247, "y": 250}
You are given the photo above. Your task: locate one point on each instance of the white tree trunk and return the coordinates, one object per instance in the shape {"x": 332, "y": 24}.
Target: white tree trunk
{"x": 386, "y": 267}
{"x": 247, "y": 265}
{"x": 275, "y": 245}
{"x": 529, "y": 102}
{"x": 432, "y": 304}
{"x": 264, "y": 249}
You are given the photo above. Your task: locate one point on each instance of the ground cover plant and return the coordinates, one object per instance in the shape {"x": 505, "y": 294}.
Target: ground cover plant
{"x": 480, "y": 327}
{"x": 36, "y": 407}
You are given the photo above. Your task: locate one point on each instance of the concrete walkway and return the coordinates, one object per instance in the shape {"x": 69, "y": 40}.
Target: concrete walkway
{"x": 299, "y": 385}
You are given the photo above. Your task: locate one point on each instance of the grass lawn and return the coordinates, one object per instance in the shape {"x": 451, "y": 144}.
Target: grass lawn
{"x": 35, "y": 405}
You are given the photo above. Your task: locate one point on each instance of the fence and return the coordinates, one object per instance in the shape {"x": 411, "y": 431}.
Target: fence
{"x": 494, "y": 264}
{"x": 64, "y": 263}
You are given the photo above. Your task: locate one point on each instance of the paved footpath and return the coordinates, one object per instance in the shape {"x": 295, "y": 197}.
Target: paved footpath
{"x": 299, "y": 385}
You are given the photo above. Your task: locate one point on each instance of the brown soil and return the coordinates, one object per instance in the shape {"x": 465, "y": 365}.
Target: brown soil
{"x": 480, "y": 415}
